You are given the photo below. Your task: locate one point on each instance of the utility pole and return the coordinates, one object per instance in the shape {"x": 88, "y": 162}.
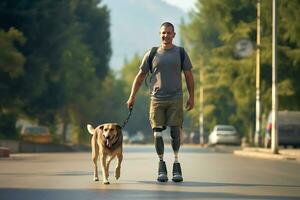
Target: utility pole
{"x": 257, "y": 136}
{"x": 201, "y": 113}
{"x": 274, "y": 141}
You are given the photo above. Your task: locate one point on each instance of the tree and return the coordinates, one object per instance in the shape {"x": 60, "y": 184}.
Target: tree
{"x": 11, "y": 67}
{"x": 94, "y": 20}
{"x": 140, "y": 115}
{"x": 64, "y": 59}
{"x": 229, "y": 81}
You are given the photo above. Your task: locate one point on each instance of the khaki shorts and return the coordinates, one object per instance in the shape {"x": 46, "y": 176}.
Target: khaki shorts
{"x": 166, "y": 113}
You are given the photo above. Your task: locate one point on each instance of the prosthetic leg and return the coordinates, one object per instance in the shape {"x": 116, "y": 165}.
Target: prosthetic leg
{"x": 175, "y": 140}
{"x": 159, "y": 146}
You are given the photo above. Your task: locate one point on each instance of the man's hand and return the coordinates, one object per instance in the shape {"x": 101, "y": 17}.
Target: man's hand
{"x": 189, "y": 104}
{"x": 130, "y": 102}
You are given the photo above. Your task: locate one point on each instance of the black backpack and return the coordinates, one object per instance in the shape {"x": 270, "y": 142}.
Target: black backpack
{"x": 153, "y": 52}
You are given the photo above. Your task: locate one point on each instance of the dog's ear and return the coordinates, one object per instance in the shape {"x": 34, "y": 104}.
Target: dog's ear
{"x": 119, "y": 128}
{"x": 99, "y": 130}
{"x": 90, "y": 129}
{"x": 101, "y": 127}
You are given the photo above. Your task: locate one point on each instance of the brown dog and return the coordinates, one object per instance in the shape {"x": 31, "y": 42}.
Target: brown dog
{"x": 107, "y": 141}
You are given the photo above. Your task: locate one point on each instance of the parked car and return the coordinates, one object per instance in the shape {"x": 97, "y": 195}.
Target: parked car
{"x": 224, "y": 134}
{"x": 138, "y": 138}
{"x": 288, "y": 129}
{"x": 125, "y": 136}
{"x": 37, "y": 134}
{"x": 194, "y": 138}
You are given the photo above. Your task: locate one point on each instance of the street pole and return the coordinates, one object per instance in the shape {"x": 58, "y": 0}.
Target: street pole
{"x": 274, "y": 141}
{"x": 257, "y": 136}
{"x": 201, "y": 117}
{"x": 201, "y": 114}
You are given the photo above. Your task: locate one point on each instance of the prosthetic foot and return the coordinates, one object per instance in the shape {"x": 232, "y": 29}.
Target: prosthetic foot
{"x": 162, "y": 172}
{"x": 177, "y": 175}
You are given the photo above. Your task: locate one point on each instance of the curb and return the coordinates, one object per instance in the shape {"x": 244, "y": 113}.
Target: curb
{"x": 267, "y": 154}
{"x": 259, "y": 155}
{"x": 16, "y": 146}
{"x": 4, "y": 152}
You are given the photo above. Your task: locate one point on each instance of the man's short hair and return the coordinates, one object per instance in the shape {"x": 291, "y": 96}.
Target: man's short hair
{"x": 167, "y": 24}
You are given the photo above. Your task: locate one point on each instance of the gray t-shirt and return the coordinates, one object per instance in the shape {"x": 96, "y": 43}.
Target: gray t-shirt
{"x": 165, "y": 82}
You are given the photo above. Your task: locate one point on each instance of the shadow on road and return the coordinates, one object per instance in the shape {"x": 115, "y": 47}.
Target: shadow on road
{"x": 63, "y": 173}
{"x": 50, "y": 194}
{"x": 209, "y": 184}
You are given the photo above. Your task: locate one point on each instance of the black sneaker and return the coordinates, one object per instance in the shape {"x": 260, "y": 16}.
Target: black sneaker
{"x": 177, "y": 175}
{"x": 162, "y": 172}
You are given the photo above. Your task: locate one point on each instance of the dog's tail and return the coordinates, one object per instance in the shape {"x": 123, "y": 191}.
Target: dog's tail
{"x": 90, "y": 129}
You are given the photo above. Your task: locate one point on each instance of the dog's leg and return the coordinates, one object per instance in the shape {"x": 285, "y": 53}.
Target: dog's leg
{"x": 118, "y": 168}
{"x": 104, "y": 169}
{"x": 95, "y": 154}
{"x": 110, "y": 158}
{"x": 96, "y": 178}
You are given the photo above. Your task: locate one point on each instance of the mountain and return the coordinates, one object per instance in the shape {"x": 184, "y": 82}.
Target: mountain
{"x": 135, "y": 26}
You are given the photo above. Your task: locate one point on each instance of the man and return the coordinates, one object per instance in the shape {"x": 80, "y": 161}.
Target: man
{"x": 166, "y": 107}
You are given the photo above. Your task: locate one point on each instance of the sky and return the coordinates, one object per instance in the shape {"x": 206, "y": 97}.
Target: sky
{"x": 151, "y": 14}
{"x": 185, "y": 5}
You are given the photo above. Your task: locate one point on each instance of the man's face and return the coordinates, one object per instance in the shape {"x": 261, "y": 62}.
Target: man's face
{"x": 167, "y": 34}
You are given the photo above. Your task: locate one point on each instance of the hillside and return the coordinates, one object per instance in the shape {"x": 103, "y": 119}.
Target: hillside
{"x": 135, "y": 26}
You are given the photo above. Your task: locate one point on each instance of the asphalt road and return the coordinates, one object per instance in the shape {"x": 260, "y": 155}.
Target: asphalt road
{"x": 208, "y": 174}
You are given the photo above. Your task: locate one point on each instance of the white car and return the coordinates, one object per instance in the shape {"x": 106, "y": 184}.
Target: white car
{"x": 224, "y": 134}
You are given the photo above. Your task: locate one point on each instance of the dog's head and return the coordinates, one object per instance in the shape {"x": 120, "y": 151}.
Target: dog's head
{"x": 107, "y": 133}
{"x": 110, "y": 133}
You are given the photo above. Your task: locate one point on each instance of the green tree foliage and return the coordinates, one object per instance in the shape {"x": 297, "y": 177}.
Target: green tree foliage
{"x": 289, "y": 55}
{"x": 140, "y": 115}
{"x": 12, "y": 60}
{"x": 11, "y": 67}
{"x": 229, "y": 80}
{"x": 95, "y": 22}
{"x": 66, "y": 51}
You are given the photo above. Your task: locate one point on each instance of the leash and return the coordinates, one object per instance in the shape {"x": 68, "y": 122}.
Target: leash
{"x": 127, "y": 119}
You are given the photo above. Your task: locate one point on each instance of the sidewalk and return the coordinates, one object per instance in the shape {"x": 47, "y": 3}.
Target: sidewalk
{"x": 283, "y": 154}
{"x": 15, "y": 146}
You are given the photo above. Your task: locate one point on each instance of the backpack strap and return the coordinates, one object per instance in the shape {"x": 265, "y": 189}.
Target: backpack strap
{"x": 151, "y": 57}
{"x": 182, "y": 56}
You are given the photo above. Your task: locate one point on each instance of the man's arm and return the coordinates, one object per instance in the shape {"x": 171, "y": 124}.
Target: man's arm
{"x": 189, "y": 79}
{"x": 138, "y": 81}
